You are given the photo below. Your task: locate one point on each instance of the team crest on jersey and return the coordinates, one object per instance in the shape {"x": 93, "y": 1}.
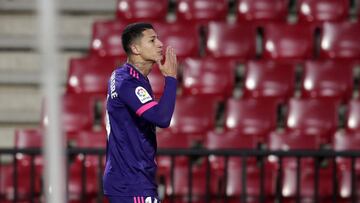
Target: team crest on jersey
{"x": 142, "y": 94}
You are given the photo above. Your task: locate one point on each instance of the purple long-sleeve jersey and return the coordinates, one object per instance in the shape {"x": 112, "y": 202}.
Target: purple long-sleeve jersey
{"x": 132, "y": 115}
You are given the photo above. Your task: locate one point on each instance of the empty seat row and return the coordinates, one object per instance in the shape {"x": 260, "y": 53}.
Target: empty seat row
{"x": 260, "y": 11}
{"x": 231, "y": 182}
{"x": 217, "y": 77}
{"x": 78, "y": 167}
{"x": 280, "y": 41}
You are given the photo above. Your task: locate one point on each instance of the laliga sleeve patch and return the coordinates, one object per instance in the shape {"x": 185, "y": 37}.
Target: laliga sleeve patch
{"x": 142, "y": 95}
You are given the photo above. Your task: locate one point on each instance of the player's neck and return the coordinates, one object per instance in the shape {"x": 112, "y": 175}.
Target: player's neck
{"x": 143, "y": 66}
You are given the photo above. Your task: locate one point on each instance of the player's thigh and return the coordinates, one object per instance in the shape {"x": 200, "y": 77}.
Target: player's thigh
{"x": 125, "y": 199}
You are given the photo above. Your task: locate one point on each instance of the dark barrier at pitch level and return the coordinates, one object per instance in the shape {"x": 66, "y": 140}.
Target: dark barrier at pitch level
{"x": 32, "y": 195}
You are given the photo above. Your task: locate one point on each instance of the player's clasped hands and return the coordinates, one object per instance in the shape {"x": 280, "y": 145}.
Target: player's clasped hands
{"x": 169, "y": 68}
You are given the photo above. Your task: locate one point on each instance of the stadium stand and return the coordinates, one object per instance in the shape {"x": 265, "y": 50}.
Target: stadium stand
{"x": 209, "y": 77}
{"x": 262, "y": 11}
{"x": 253, "y": 117}
{"x": 339, "y": 40}
{"x": 288, "y": 42}
{"x": 352, "y": 116}
{"x": 328, "y": 79}
{"x": 231, "y": 41}
{"x": 200, "y": 11}
{"x": 269, "y": 79}
{"x": 318, "y": 117}
{"x": 141, "y": 10}
{"x": 322, "y": 10}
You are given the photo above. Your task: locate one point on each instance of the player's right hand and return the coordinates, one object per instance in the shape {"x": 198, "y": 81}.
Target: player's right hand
{"x": 169, "y": 68}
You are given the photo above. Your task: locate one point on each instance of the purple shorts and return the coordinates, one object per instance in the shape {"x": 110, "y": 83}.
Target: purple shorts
{"x": 130, "y": 199}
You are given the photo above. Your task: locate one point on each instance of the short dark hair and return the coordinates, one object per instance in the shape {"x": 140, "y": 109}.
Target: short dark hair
{"x": 131, "y": 33}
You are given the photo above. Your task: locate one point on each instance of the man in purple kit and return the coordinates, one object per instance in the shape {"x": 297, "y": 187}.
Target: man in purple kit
{"x": 132, "y": 115}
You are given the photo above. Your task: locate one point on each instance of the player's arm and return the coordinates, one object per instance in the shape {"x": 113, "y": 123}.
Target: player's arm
{"x": 161, "y": 113}
{"x": 140, "y": 101}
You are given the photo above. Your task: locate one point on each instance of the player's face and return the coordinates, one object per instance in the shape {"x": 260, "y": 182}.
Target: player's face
{"x": 150, "y": 46}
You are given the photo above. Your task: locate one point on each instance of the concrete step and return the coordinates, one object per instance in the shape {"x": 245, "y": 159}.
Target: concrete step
{"x": 20, "y": 104}
{"x": 19, "y": 31}
{"x": 64, "y": 5}
{"x": 23, "y": 68}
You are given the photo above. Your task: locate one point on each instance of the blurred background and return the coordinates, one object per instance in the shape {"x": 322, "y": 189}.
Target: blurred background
{"x": 257, "y": 75}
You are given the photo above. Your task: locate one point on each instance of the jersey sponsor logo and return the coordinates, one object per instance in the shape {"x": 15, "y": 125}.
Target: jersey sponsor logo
{"x": 142, "y": 94}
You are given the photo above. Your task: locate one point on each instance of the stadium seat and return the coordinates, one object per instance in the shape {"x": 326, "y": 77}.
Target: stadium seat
{"x": 106, "y": 38}
{"x": 299, "y": 140}
{"x": 208, "y": 76}
{"x": 340, "y": 40}
{"x": 262, "y": 11}
{"x": 90, "y": 169}
{"x": 183, "y": 37}
{"x": 91, "y": 74}
{"x": 25, "y": 138}
{"x": 141, "y": 10}
{"x": 328, "y": 79}
{"x": 313, "y": 116}
{"x": 181, "y": 182}
{"x": 269, "y": 79}
{"x": 307, "y": 178}
{"x": 322, "y": 10}
{"x": 253, "y": 117}
{"x": 231, "y": 41}
{"x": 77, "y": 112}
{"x": 292, "y": 140}
{"x": 352, "y": 117}
{"x": 201, "y": 11}
{"x": 346, "y": 140}
{"x": 230, "y": 140}
{"x": 194, "y": 116}
{"x": 294, "y": 42}
{"x": 253, "y": 179}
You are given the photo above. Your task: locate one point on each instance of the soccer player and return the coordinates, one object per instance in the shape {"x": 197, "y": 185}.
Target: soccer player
{"x": 132, "y": 115}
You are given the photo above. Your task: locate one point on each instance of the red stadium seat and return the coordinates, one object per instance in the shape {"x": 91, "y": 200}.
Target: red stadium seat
{"x": 91, "y": 74}
{"x": 293, "y": 140}
{"x": 299, "y": 140}
{"x": 141, "y": 10}
{"x": 253, "y": 179}
{"x": 328, "y": 79}
{"x": 230, "y": 140}
{"x": 346, "y": 140}
{"x": 90, "y": 169}
{"x": 201, "y": 11}
{"x": 77, "y": 112}
{"x": 253, "y": 117}
{"x": 106, "y": 38}
{"x": 181, "y": 181}
{"x": 236, "y": 140}
{"x": 261, "y": 11}
{"x": 269, "y": 79}
{"x": 25, "y": 138}
{"x": 231, "y": 41}
{"x": 183, "y": 37}
{"x": 352, "y": 117}
{"x": 288, "y": 41}
{"x": 307, "y": 177}
{"x": 193, "y": 115}
{"x": 317, "y": 117}
{"x": 340, "y": 40}
{"x": 322, "y": 10}
{"x": 208, "y": 76}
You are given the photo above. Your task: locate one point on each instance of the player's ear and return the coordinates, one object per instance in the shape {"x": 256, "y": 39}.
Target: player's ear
{"x": 135, "y": 49}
